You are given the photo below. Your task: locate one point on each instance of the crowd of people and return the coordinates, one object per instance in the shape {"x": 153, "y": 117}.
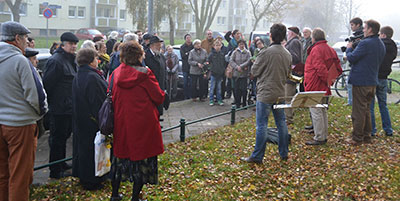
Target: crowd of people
{"x": 141, "y": 75}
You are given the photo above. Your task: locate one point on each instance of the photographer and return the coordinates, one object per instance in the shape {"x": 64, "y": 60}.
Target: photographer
{"x": 358, "y": 34}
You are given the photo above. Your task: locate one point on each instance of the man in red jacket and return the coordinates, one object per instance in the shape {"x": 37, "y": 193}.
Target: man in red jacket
{"x": 317, "y": 78}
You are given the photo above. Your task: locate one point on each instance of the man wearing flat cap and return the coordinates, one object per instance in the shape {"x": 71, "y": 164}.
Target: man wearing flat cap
{"x": 295, "y": 47}
{"x": 20, "y": 107}
{"x": 146, "y": 41}
{"x": 58, "y": 75}
{"x": 156, "y": 61}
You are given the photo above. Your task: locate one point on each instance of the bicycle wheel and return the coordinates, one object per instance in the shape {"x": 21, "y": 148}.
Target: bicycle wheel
{"x": 341, "y": 85}
{"x": 393, "y": 93}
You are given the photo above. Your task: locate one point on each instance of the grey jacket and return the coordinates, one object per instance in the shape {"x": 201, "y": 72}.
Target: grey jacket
{"x": 196, "y": 57}
{"x": 295, "y": 48}
{"x": 240, "y": 59}
{"x": 175, "y": 62}
{"x": 19, "y": 100}
{"x": 271, "y": 68}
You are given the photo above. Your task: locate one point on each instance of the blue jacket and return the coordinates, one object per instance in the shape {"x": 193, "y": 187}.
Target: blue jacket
{"x": 365, "y": 60}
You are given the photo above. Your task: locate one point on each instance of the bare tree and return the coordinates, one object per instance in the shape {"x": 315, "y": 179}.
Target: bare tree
{"x": 14, "y": 7}
{"x": 349, "y": 10}
{"x": 272, "y": 10}
{"x": 138, "y": 11}
{"x": 204, "y": 14}
{"x": 174, "y": 7}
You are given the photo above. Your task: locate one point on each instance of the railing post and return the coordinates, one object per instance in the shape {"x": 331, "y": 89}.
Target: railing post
{"x": 233, "y": 114}
{"x": 183, "y": 125}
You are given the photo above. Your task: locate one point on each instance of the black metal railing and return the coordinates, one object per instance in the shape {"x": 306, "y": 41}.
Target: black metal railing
{"x": 182, "y": 125}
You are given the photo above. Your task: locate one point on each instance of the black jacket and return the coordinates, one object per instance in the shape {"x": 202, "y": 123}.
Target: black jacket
{"x": 110, "y": 45}
{"x": 185, "y": 49}
{"x": 88, "y": 94}
{"x": 59, "y": 72}
{"x": 217, "y": 63}
{"x": 158, "y": 66}
{"x": 391, "y": 53}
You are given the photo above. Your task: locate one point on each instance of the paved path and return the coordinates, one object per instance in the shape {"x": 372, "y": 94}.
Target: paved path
{"x": 182, "y": 109}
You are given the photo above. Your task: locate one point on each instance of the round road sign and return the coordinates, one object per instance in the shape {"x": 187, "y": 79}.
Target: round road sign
{"x": 47, "y": 13}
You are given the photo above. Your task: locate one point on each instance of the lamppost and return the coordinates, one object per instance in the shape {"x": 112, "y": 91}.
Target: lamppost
{"x": 150, "y": 18}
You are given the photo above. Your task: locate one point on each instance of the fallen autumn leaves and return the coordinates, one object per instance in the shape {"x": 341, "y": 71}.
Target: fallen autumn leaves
{"x": 207, "y": 167}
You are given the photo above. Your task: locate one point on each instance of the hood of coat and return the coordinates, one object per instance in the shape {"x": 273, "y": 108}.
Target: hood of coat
{"x": 131, "y": 76}
{"x": 7, "y": 51}
{"x": 315, "y": 44}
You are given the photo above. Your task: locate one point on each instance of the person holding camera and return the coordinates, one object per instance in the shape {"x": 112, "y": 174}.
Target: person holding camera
{"x": 365, "y": 60}
{"x": 358, "y": 34}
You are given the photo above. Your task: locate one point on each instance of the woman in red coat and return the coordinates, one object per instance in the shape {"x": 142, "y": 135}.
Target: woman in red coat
{"x": 137, "y": 132}
{"x": 317, "y": 72}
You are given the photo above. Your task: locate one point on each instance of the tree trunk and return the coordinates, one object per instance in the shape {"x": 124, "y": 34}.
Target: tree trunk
{"x": 256, "y": 21}
{"x": 14, "y": 9}
{"x": 171, "y": 29}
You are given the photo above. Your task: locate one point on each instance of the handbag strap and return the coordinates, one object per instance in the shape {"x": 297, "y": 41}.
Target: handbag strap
{"x": 111, "y": 85}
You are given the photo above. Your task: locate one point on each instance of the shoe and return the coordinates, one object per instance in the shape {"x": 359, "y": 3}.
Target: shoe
{"x": 389, "y": 134}
{"x": 194, "y": 99}
{"x": 202, "y": 99}
{"x": 211, "y": 103}
{"x": 250, "y": 160}
{"x": 352, "y": 142}
{"x": 220, "y": 103}
{"x": 284, "y": 158}
{"x": 228, "y": 96}
{"x": 309, "y": 127}
{"x": 58, "y": 175}
{"x": 316, "y": 142}
{"x": 161, "y": 119}
{"x": 310, "y": 131}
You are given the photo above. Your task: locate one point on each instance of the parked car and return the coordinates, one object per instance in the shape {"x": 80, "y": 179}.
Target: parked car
{"x": 180, "y": 73}
{"x": 263, "y": 35}
{"x": 121, "y": 32}
{"x": 88, "y": 34}
{"x": 338, "y": 48}
{"x": 398, "y": 46}
{"x": 42, "y": 57}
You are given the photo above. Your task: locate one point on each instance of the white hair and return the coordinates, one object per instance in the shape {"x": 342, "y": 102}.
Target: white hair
{"x": 307, "y": 28}
{"x": 196, "y": 41}
{"x": 113, "y": 35}
{"x": 130, "y": 37}
{"x": 88, "y": 44}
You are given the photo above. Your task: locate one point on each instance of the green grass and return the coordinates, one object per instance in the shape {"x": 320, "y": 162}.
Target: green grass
{"x": 207, "y": 167}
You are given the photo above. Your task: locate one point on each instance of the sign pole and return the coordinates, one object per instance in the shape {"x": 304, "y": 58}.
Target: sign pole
{"x": 47, "y": 32}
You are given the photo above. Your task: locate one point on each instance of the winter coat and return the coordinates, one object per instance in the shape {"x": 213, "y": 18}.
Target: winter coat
{"x": 59, "y": 72}
{"x": 391, "y": 53}
{"x": 22, "y": 100}
{"x": 271, "y": 68}
{"x": 207, "y": 45}
{"x": 114, "y": 62}
{"x": 88, "y": 94}
{"x": 306, "y": 44}
{"x": 196, "y": 57}
{"x": 110, "y": 45}
{"x": 217, "y": 63}
{"x": 185, "y": 50}
{"x": 158, "y": 67}
{"x": 295, "y": 48}
{"x": 365, "y": 60}
{"x": 320, "y": 59}
{"x": 240, "y": 58}
{"x": 136, "y": 95}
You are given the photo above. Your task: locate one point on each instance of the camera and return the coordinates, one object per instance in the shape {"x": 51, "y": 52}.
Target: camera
{"x": 354, "y": 38}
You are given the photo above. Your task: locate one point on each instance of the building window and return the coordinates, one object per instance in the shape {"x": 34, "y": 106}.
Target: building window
{"x": 42, "y": 7}
{"x": 223, "y": 4}
{"x": 4, "y": 7}
{"x": 221, "y": 20}
{"x": 122, "y": 14}
{"x": 53, "y": 32}
{"x": 72, "y": 11}
{"x": 23, "y": 8}
{"x": 81, "y": 12}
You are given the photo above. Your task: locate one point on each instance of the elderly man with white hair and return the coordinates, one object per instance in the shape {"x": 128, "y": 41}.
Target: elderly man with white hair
{"x": 88, "y": 44}
{"x": 114, "y": 61}
{"x": 112, "y": 39}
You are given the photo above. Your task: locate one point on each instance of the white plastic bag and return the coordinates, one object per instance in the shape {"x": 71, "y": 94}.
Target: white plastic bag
{"x": 101, "y": 155}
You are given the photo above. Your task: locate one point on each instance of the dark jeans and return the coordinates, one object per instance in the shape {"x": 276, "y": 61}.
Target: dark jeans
{"x": 60, "y": 131}
{"x": 187, "y": 85}
{"x": 198, "y": 86}
{"x": 361, "y": 114}
{"x": 240, "y": 85}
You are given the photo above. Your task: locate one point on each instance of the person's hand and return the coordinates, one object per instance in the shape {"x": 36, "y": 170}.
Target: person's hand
{"x": 206, "y": 63}
{"x": 200, "y": 65}
{"x": 239, "y": 69}
{"x": 350, "y": 45}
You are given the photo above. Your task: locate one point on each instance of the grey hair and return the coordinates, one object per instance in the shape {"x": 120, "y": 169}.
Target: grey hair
{"x": 196, "y": 41}
{"x": 113, "y": 35}
{"x": 308, "y": 29}
{"x": 130, "y": 37}
{"x": 7, "y": 38}
{"x": 88, "y": 44}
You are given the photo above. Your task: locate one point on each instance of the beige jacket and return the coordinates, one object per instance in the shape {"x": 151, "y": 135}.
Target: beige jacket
{"x": 240, "y": 59}
{"x": 271, "y": 68}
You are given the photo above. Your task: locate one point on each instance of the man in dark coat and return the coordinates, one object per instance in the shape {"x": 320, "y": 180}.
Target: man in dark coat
{"x": 156, "y": 62}
{"x": 88, "y": 94}
{"x": 185, "y": 49}
{"x": 385, "y": 69}
{"x": 59, "y": 72}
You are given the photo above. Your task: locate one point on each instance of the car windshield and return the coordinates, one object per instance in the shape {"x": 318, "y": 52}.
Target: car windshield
{"x": 177, "y": 52}
{"x": 94, "y": 32}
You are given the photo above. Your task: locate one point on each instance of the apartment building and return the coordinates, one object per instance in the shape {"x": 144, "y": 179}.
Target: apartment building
{"x": 70, "y": 15}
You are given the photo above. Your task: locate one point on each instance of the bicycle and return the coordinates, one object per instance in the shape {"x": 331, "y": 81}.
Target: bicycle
{"x": 393, "y": 93}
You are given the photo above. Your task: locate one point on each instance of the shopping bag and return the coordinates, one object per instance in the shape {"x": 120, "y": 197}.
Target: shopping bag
{"x": 101, "y": 155}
